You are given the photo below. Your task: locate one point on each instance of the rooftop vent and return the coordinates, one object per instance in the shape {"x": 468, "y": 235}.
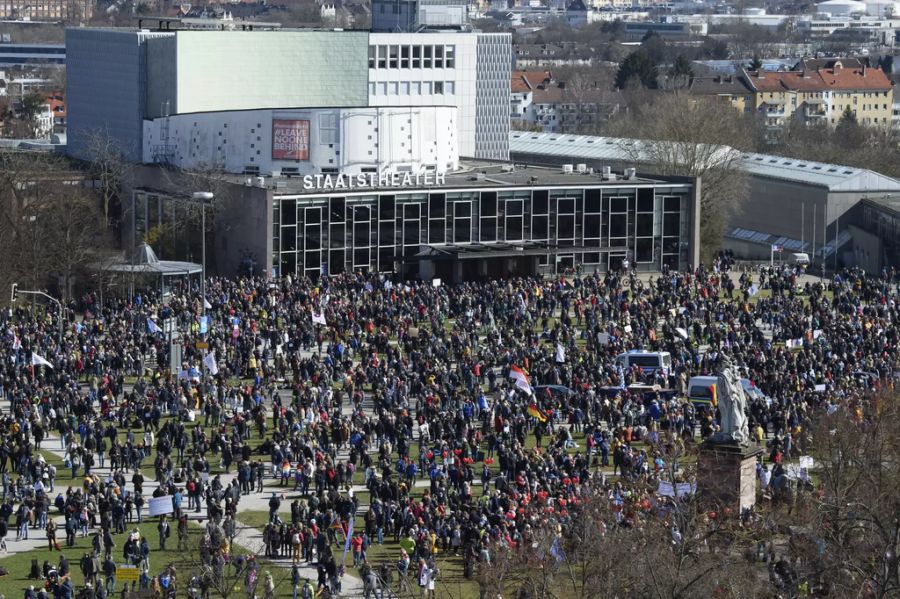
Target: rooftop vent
{"x": 581, "y": 168}
{"x": 567, "y": 169}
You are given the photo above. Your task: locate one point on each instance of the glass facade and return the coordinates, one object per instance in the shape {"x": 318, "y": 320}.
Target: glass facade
{"x": 594, "y": 228}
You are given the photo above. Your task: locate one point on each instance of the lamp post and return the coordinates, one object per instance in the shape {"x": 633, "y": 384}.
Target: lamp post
{"x": 203, "y": 197}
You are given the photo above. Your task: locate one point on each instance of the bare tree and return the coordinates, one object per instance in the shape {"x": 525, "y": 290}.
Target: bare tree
{"x": 76, "y": 235}
{"x": 695, "y": 137}
{"x": 109, "y": 167}
{"x": 853, "y": 540}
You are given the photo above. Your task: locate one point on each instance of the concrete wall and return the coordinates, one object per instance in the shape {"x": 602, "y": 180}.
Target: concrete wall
{"x": 390, "y": 139}
{"x": 105, "y": 88}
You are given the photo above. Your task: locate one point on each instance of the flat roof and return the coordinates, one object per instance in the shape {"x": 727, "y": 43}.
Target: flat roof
{"x": 471, "y": 175}
{"x": 834, "y": 177}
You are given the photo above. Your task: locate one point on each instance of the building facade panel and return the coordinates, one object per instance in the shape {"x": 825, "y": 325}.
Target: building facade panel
{"x": 426, "y": 232}
{"x": 306, "y": 141}
{"x": 106, "y": 88}
{"x": 239, "y": 70}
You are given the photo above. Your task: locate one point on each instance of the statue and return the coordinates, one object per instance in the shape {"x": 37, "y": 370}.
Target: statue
{"x": 733, "y": 427}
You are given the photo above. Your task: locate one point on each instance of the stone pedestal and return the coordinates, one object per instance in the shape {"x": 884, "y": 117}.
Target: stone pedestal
{"x": 726, "y": 475}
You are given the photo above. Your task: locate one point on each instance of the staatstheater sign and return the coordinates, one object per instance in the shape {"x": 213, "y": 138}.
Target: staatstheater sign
{"x": 371, "y": 180}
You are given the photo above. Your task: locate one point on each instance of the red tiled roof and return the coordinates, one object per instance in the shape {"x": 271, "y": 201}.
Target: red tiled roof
{"x": 838, "y": 79}
{"x": 524, "y": 81}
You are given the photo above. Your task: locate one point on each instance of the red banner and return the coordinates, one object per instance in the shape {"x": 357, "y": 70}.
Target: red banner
{"x": 290, "y": 139}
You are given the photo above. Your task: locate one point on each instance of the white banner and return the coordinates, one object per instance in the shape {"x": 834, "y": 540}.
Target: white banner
{"x": 161, "y": 505}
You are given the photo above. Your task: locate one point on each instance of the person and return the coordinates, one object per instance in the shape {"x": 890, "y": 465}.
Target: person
{"x": 164, "y": 530}
{"x": 424, "y": 577}
{"x": 372, "y": 587}
{"x": 109, "y": 572}
{"x": 269, "y": 586}
{"x": 307, "y": 591}
{"x": 51, "y": 536}
{"x": 295, "y": 580}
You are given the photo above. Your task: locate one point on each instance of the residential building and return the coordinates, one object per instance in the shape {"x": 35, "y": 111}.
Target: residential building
{"x": 895, "y": 113}
{"x": 521, "y": 93}
{"x": 823, "y": 94}
{"x": 815, "y": 91}
{"x": 732, "y": 89}
{"x": 539, "y": 102}
{"x": 74, "y": 11}
{"x": 56, "y": 103}
{"x": 529, "y": 56}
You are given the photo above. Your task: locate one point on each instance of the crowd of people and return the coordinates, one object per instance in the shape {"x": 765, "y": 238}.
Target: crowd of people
{"x": 359, "y": 383}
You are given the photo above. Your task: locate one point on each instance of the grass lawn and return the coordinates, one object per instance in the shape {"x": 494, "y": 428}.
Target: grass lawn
{"x": 14, "y": 584}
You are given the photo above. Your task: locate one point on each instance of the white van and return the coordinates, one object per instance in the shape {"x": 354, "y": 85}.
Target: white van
{"x": 799, "y": 258}
{"x": 647, "y": 361}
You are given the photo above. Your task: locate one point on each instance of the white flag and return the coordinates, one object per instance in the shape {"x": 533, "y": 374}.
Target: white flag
{"x": 37, "y": 360}
{"x": 206, "y": 304}
{"x": 682, "y": 332}
{"x": 151, "y": 326}
{"x": 560, "y": 353}
{"x": 521, "y": 379}
{"x": 209, "y": 360}
{"x": 318, "y": 318}
{"x": 753, "y": 290}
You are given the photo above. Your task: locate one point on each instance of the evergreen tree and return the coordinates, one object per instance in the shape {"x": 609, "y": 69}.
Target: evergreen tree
{"x": 637, "y": 66}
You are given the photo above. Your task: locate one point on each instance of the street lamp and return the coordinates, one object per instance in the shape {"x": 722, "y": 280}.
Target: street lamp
{"x": 203, "y": 197}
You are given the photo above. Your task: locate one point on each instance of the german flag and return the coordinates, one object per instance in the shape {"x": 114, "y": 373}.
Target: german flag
{"x": 534, "y": 411}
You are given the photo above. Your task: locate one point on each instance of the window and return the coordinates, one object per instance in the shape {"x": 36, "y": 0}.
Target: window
{"x": 393, "y": 87}
{"x": 450, "y": 89}
{"x": 449, "y": 57}
{"x": 439, "y": 57}
{"x": 328, "y": 130}
{"x": 394, "y": 53}
{"x": 417, "y": 57}
{"x": 371, "y": 89}
{"x": 382, "y": 88}
{"x": 426, "y": 59}
{"x": 404, "y": 88}
{"x": 372, "y": 57}
{"x": 404, "y": 57}
{"x": 438, "y": 87}
{"x": 416, "y": 88}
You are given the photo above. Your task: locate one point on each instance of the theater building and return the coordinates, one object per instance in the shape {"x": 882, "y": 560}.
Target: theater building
{"x": 482, "y": 220}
